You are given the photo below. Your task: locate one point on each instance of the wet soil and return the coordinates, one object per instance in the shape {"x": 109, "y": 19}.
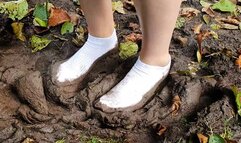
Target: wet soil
{"x": 33, "y": 106}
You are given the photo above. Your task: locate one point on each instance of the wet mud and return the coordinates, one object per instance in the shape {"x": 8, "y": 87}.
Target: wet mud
{"x": 33, "y": 106}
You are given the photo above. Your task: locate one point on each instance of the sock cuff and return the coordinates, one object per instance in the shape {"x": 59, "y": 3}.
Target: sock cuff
{"x": 96, "y": 40}
{"x": 148, "y": 68}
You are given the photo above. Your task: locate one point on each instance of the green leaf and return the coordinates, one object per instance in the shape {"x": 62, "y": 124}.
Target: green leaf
{"x": 14, "y": 9}
{"x": 40, "y": 15}
{"x": 60, "y": 141}
{"x": 215, "y": 26}
{"x": 67, "y": 27}
{"x": 128, "y": 49}
{"x": 224, "y": 6}
{"x": 39, "y": 22}
{"x": 237, "y": 94}
{"x": 216, "y": 139}
{"x": 180, "y": 22}
{"x": 38, "y": 43}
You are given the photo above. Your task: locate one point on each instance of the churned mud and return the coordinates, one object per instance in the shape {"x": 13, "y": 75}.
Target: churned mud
{"x": 33, "y": 106}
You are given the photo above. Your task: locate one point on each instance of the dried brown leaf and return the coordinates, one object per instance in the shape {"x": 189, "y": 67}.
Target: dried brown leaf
{"x": 74, "y": 18}
{"x": 228, "y": 20}
{"x": 229, "y": 26}
{"x": 183, "y": 41}
{"x": 57, "y": 16}
{"x": 209, "y": 11}
{"x": 176, "y": 103}
{"x": 134, "y": 27}
{"x": 161, "y": 130}
{"x": 189, "y": 12}
{"x": 238, "y": 61}
{"x": 133, "y": 37}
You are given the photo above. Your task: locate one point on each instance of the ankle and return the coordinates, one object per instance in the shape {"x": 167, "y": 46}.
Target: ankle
{"x": 156, "y": 60}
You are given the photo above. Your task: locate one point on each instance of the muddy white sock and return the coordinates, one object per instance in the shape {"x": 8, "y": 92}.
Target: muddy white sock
{"x": 82, "y": 60}
{"x": 139, "y": 80}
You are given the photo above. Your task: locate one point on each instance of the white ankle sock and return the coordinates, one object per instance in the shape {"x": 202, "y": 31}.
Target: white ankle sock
{"x": 82, "y": 60}
{"x": 139, "y": 80}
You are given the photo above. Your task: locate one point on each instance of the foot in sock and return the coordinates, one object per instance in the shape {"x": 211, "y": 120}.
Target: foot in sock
{"x": 138, "y": 82}
{"x": 82, "y": 60}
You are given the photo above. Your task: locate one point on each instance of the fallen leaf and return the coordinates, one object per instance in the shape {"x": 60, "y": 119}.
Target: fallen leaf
{"x": 200, "y": 37}
{"x": 57, "y": 16}
{"x": 206, "y": 18}
{"x": 28, "y": 140}
{"x": 176, "y": 103}
{"x": 60, "y": 141}
{"x": 202, "y": 138}
{"x": 67, "y": 27}
{"x": 80, "y": 32}
{"x": 18, "y": 30}
{"x": 197, "y": 28}
{"x": 189, "y": 12}
{"x": 133, "y": 37}
{"x": 180, "y": 22}
{"x": 134, "y": 27}
{"x": 183, "y": 41}
{"x": 128, "y": 49}
{"x": 118, "y": 7}
{"x": 228, "y": 20}
{"x": 238, "y": 61}
{"x": 224, "y": 6}
{"x": 209, "y": 11}
{"x": 38, "y": 43}
{"x": 229, "y": 26}
{"x": 199, "y": 56}
{"x": 40, "y": 15}
{"x": 216, "y": 139}
{"x": 74, "y": 18}
{"x": 214, "y": 34}
{"x": 162, "y": 130}
{"x": 39, "y": 22}
{"x": 16, "y": 10}
{"x": 215, "y": 26}
{"x": 204, "y": 3}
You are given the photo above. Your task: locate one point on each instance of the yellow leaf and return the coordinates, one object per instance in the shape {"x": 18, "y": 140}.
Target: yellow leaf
{"x": 199, "y": 57}
{"x": 202, "y": 138}
{"x": 28, "y": 140}
{"x": 18, "y": 30}
{"x": 118, "y": 7}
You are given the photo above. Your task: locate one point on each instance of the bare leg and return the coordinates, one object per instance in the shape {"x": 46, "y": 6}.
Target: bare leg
{"x": 102, "y": 38}
{"x": 157, "y": 18}
{"x": 98, "y": 14}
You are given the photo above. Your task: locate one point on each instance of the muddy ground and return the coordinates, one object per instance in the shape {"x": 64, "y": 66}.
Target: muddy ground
{"x": 33, "y": 106}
